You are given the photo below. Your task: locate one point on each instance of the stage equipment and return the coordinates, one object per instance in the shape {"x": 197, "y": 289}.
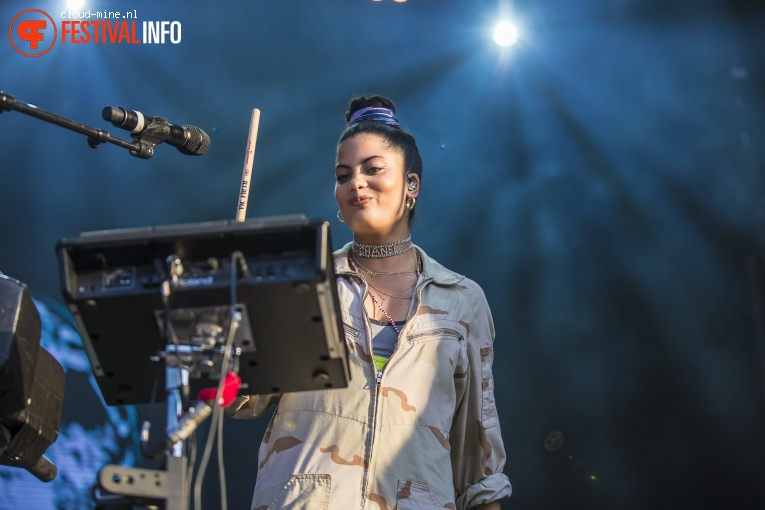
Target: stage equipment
{"x": 189, "y": 140}
{"x": 31, "y": 385}
{"x": 290, "y": 334}
{"x": 154, "y": 130}
{"x": 257, "y": 298}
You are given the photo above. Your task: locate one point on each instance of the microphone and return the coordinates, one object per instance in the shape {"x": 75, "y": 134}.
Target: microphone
{"x": 188, "y": 139}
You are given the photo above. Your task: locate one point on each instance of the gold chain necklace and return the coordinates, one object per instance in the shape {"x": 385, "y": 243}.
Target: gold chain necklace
{"x": 417, "y": 270}
{"x": 379, "y": 304}
{"x": 394, "y": 296}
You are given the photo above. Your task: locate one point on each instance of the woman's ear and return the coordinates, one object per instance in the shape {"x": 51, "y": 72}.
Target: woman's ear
{"x": 412, "y": 185}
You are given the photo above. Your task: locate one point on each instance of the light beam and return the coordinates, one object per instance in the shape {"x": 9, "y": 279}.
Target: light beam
{"x": 505, "y": 33}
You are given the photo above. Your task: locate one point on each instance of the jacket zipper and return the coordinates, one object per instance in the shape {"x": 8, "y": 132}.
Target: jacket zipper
{"x": 378, "y": 384}
{"x": 445, "y": 332}
{"x": 373, "y": 430}
{"x": 372, "y": 405}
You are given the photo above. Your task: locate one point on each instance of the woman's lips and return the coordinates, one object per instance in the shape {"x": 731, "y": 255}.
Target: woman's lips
{"x": 360, "y": 201}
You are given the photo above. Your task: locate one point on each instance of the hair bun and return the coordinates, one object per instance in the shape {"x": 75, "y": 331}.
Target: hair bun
{"x": 357, "y": 103}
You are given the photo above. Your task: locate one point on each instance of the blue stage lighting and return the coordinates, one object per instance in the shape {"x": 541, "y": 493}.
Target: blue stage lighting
{"x": 505, "y": 33}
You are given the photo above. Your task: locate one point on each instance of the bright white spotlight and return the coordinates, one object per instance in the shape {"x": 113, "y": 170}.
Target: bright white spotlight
{"x": 75, "y": 5}
{"x": 505, "y": 33}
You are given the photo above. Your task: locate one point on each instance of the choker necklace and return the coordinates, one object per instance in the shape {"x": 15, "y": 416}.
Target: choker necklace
{"x": 415, "y": 271}
{"x": 377, "y": 251}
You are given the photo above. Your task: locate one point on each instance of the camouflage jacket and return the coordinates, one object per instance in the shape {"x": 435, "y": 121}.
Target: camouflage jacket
{"x": 421, "y": 434}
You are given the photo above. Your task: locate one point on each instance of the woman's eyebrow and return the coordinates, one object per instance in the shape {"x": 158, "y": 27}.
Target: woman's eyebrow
{"x": 340, "y": 165}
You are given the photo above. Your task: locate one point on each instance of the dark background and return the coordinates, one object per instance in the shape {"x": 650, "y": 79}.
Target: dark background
{"x": 602, "y": 180}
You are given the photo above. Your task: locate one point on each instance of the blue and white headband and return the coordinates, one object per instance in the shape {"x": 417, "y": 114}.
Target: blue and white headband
{"x": 376, "y": 114}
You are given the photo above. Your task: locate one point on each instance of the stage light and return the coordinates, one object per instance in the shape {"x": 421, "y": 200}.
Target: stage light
{"x": 31, "y": 385}
{"x": 505, "y": 33}
{"x": 75, "y": 5}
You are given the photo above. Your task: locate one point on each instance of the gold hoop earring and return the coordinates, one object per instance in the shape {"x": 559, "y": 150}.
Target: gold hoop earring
{"x": 410, "y": 203}
{"x": 340, "y": 217}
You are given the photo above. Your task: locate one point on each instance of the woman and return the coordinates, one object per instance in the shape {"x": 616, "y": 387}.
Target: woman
{"x": 417, "y": 427}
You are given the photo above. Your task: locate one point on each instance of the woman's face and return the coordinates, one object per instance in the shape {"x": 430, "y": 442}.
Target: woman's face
{"x": 371, "y": 190}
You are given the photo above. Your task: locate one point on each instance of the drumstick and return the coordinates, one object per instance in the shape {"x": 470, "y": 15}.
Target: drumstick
{"x": 249, "y": 156}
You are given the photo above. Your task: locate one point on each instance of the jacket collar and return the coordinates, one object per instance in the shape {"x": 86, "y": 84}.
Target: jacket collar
{"x": 430, "y": 268}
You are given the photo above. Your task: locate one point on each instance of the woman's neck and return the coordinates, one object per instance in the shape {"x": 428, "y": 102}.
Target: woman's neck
{"x": 391, "y": 236}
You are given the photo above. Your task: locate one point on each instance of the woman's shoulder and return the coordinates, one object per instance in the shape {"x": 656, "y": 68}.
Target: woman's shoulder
{"x": 473, "y": 289}
{"x": 437, "y": 271}
{"x": 456, "y": 288}
{"x": 441, "y": 274}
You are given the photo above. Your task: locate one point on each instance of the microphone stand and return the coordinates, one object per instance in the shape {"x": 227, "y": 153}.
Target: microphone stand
{"x": 169, "y": 488}
{"x": 138, "y": 148}
{"x": 165, "y": 488}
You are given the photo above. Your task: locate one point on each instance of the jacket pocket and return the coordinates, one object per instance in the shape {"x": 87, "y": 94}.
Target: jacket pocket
{"x": 447, "y": 344}
{"x": 350, "y": 334}
{"x": 489, "y": 416}
{"x": 415, "y": 496}
{"x": 304, "y": 492}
